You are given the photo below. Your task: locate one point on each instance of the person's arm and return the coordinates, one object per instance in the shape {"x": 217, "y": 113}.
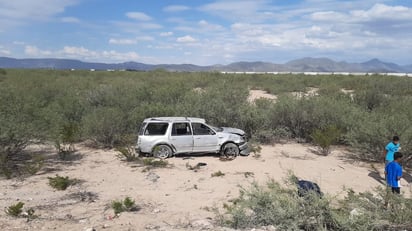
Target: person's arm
{"x": 399, "y": 174}
{"x": 385, "y": 151}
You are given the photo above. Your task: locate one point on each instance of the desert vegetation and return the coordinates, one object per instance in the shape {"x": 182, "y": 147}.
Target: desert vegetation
{"x": 280, "y": 206}
{"x": 63, "y": 108}
{"x": 60, "y": 182}
{"x": 126, "y": 205}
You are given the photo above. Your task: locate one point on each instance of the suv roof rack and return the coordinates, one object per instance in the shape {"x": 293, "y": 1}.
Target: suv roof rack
{"x": 170, "y": 119}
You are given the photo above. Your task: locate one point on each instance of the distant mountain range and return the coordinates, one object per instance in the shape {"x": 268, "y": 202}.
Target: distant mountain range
{"x": 298, "y": 65}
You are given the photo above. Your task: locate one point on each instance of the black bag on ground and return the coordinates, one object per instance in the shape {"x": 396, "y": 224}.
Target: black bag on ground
{"x": 305, "y": 187}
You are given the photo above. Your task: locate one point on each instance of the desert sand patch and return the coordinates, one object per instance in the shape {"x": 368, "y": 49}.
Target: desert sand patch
{"x": 173, "y": 198}
{"x": 260, "y": 94}
{"x": 312, "y": 91}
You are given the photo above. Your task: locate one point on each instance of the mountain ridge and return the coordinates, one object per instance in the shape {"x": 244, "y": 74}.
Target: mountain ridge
{"x": 306, "y": 64}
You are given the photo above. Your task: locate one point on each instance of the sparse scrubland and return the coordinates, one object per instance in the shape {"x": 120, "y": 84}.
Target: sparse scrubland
{"x": 275, "y": 205}
{"x": 361, "y": 113}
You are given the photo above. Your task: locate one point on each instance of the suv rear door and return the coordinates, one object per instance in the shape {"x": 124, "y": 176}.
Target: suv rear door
{"x": 181, "y": 137}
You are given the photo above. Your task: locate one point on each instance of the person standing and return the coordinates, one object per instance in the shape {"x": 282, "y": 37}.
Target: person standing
{"x": 390, "y": 149}
{"x": 393, "y": 173}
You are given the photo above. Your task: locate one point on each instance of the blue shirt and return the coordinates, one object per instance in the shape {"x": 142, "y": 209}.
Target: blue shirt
{"x": 393, "y": 172}
{"x": 391, "y": 148}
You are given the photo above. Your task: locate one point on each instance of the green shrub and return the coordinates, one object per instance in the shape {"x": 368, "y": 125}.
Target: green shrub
{"x": 21, "y": 123}
{"x": 34, "y": 165}
{"x": 15, "y": 210}
{"x": 60, "y": 183}
{"x": 374, "y": 130}
{"x": 118, "y": 207}
{"x": 105, "y": 126}
{"x": 370, "y": 99}
{"x": 255, "y": 148}
{"x": 67, "y": 136}
{"x": 127, "y": 153}
{"x": 5, "y": 165}
{"x": 154, "y": 162}
{"x": 278, "y": 206}
{"x": 325, "y": 138}
{"x": 3, "y": 71}
{"x": 281, "y": 207}
{"x": 126, "y": 148}
{"x": 127, "y": 205}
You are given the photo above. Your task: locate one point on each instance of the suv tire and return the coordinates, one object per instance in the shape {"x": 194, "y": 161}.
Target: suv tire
{"x": 162, "y": 151}
{"x": 230, "y": 150}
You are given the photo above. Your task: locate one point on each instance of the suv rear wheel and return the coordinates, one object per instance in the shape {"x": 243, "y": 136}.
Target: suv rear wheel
{"x": 162, "y": 151}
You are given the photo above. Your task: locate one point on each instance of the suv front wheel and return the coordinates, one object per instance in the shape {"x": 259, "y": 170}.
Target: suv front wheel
{"x": 162, "y": 151}
{"x": 230, "y": 150}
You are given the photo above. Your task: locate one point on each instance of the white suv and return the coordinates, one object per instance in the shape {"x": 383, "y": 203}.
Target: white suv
{"x": 163, "y": 137}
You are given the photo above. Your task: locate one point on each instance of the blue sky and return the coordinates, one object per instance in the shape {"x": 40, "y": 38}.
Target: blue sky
{"x": 207, "y": 32}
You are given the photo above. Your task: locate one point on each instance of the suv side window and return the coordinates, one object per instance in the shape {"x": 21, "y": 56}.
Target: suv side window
{"x": 181, "y": 129}
{"x": 153, "y": 129}
{"x": 141, "y": 129}
{"x": 202, "y": 129}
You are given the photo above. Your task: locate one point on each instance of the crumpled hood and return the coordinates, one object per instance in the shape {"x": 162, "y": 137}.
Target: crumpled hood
{"x": 233, "y": 130}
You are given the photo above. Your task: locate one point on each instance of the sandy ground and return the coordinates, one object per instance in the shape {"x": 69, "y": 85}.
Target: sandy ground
{"x": 173, "y": 198}
{"x": 258, "y": 94}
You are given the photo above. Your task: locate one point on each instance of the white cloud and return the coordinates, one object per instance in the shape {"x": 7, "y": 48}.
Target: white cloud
{"x": 20, "y": 43}
{"x": 4, "y": 51}
{"x": 379, "y": 20}
{"x": 145, "y": 38}
{"x": 118, "y": 56}
{"x": 329, "y": 16}
{"x": 86, "y": 54}
{"x": 70, "y": 20}
{"x": 82, "y": 53}
{"x": 209, "y": 27}
{"x": 246, "y": 10}
{"x": 175, "y": 8}
{"x": 186, "y": 39}
{"x": 36, "y": 52}
{"x": 72, "y": 51}
{"x": 122, "y": 41}
{"x": 16, "y": 13}
{"x": 140, "y": 16}
{"x": 382, "y": 11}
{"x": 128, "y": 41}
{"x": 33, "y": 10}
{"x": 376, "y": 12}
{"x": 149, "y": 26}
{"x": 166, "y": 34}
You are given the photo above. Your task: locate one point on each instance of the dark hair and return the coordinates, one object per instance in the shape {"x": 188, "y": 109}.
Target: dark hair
{"x": 395, "y": 138}
{"x": 397, "y": 155}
